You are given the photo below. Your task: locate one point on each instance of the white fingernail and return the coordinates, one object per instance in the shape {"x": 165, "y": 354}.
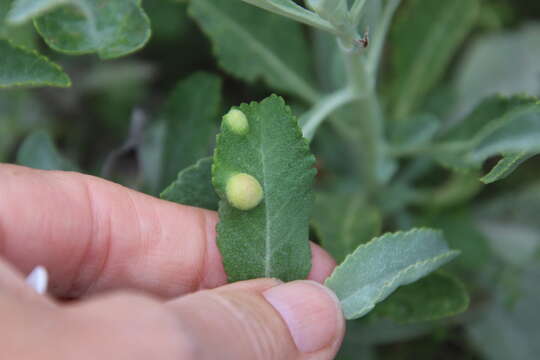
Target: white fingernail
{"x": 38, "y": 279}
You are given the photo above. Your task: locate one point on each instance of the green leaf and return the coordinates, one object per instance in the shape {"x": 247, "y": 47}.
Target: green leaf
{"x": 419, "y": 130}
{"x": 39, "y": 152}
{"x": 190, "y": 116}
{"x": 23, "y": 67}
{"x": 252, "y": 44}
{"x": 423, "y": 48}
{"x": 24, "y": 10}
{"x": 505, "y": 167}
{"x": 379, "y": 267}
{"x": 271, "y": 239}
{"x": 340, "y": 232}
{"x": 150, "y": 152}
{"x": 111, "y": 28}
{"x": 490, "y": 109}
{"x": 518, "y": 131}
{"x": 503, "y": 332}
{"x": 510, "y": 224}
{"x": 193, "y": 187}
{"x": 498, "y": 126}
{"x": 384, "y": 331}
{"x": 21, "y": 112}
{"x": 24, "y": 35}
{"x": 434, "y": 297}
{"x": 499, "y": 62}
{"x": 462, "y": 234}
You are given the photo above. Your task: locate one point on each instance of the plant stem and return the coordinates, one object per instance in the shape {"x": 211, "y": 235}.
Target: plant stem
{"x": 370, "y": 125}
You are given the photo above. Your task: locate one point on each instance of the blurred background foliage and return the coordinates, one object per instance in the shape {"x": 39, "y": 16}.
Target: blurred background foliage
{"x": 111, "y": 123}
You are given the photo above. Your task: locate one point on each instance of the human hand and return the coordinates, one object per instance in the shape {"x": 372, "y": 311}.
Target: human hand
{"x": 94, "y": 236}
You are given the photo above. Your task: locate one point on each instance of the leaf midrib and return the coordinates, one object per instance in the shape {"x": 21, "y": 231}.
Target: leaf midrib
{"x": 393, "y": 279}
{"x": 266, "y": 202}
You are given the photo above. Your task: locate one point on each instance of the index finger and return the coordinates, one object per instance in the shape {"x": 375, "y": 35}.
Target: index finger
{"x": 94, "y": 235}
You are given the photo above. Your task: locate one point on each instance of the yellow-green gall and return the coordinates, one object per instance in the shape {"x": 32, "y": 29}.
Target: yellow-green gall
{"x": 237, "y": 121}
{"x": 244, "y": 191}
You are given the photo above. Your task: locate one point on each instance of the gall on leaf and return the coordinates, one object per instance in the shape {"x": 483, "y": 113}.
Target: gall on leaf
{"x": 237, "y": 122}
{"x": 243, "y": 191}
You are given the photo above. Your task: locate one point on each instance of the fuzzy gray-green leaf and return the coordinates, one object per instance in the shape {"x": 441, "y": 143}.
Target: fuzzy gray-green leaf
{"x": 109, "y": 28}
{"x": 253, "y": 44}
{"x": 425, "y": 46}
{"x": 507, "y": 126}
{"x": 271, "y": 239}
{"x": 193, "y": 187}
{"x": 23, "y": 67}
{"x": 379, "y": 267}
{"x": 505, "y": 166}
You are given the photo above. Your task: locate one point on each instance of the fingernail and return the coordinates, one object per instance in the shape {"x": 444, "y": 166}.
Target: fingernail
{"x": 311, "y": 312}
{"x": 38, "y": 279}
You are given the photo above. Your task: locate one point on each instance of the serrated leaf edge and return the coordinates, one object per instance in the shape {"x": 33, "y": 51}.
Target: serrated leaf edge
{"x": 98, "y": 49}
{"x": 501, "y": 171}
{"x": 180, "y": 176}
{"x": 46, "y": 60}
{"x": 450, "y": 254}
{"x": 382, "y": 238}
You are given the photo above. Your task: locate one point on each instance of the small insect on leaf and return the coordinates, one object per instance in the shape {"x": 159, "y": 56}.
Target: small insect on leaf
{"x": 364, "y": 40}
{"x": 243, "y": 191}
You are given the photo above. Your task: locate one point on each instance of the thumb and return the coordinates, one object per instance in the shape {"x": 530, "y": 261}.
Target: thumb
{"x": 262, "y": 319}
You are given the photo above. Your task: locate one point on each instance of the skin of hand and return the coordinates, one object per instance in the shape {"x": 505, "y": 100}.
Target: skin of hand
{"x": 147, "y": 278}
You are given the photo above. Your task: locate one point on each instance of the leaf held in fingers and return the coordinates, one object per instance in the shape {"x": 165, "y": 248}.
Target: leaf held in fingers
{"x": 109, "y": 28}
{"x": 23, "y": 67}
{"x": 378, "y": 268}
{"x": 193, "y": 187}
{"x": 270, "y": 237}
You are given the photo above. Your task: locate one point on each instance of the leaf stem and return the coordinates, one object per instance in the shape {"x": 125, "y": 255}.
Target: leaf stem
{"x": 371, "y": 120}
{"x": 310, "y": 121}
{"x": 356, "y": 11}
{"x": 297, "y": 13}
